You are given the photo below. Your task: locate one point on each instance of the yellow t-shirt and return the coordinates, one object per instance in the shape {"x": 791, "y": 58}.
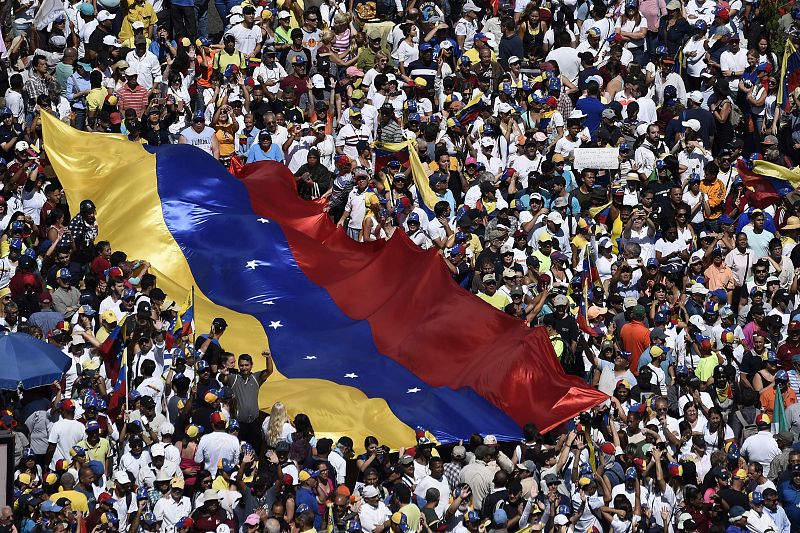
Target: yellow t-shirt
{"x": 705, "y": 368}
{"x": 497, "y": 300}
{"x": 473, "y": 56}
{"x": 143, "y": 13}
{"x": 99, "y": 452}
{"x": 79, "y": 502}
{"x": 95, "y": 99}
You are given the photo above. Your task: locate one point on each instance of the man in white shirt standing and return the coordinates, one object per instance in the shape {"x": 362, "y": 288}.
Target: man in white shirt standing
{"x": 170, "y": 509}
{"x": 733, "y": 61}
{"x": 247, "y": 34}
{"x": 761, "y": 447}
{"x": 65, "y": 434}
{"x": 435, "y": 480}
{"x": 217, "y": 445}
{"x": 467, "y": 27}
{"x": 144, "y": 62}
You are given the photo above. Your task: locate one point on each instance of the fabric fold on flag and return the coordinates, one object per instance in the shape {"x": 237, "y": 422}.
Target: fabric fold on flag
{"x": 766, "y": 183}
{"x": 366, "y": 347}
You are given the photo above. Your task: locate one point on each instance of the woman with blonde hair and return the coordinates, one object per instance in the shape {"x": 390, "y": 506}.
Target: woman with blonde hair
{"x": 276, "y": 426}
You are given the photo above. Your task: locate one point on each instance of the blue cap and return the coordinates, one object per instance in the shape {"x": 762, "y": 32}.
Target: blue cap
{"x": 354, "y": 525}
{"x": 585, "y": 469}
{"x": 782, "y": 375}
{"x": 630, "y": 473}
{"x": 436, "y": 177}
{"x": 554, "y": 85}
{"x": 661, "y": 50}
{"x": 413, "y": 117}
{"x": 725, "y": 219}
{"x": 466, "y": 60}
{"x": 506, "y": 88}
{"x": 564, "y": 509}
{"x": 142, "y": 493}
{"x": 202, "y": 365}
{"x": 652, "y": 262}
{"x": 683, "y": 369}
{"x": 624, "y": 147}
{"x": 18, "y": 225}
{"x": 661, "y": 317}
{"x": 413, "y": 217}
{"x": 6, "y": 111}
{"x": 149, "y": 519}
{"x": 757, "y": 498}
{"x": 771, "y": 357}
{"x": 394, "y": 163}
{"x": 96, "y": 467}
{"x": 488, "y": 129}
{"x": 233, "y": 424}
{"x": 86, "y": 9}
{"x": 199, "y": 115}
{"x": 425, "y": 47}
{"x": 228, "y": 466}
{"x": 500, "y": 517}
{"x": 694, "y": 178}
{"x": 660, "y": 164}
{"x": 733, "y": 452}
{"x": 480, "y": 37}
{"x": 701, "y": 25}
{"x": 129, "y": 294}
{"x": 15, "y": 243}
{"x": 473, "y": 517}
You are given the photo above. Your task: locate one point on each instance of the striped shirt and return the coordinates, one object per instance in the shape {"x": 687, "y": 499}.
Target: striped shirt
{"x": 135, "y": 99}
{"x": 349, "y": 137}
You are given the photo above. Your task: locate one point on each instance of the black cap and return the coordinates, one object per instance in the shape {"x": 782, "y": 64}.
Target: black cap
{"x": 219, "y": 323}
{"x": 143, "y": 309}
{"x": 147, "y": 401}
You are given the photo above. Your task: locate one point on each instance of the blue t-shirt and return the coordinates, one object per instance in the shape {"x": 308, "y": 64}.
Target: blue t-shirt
{"x": 594, "y": 111}
{"x": 257, "y": 154}
{"x": 305, "y": 496}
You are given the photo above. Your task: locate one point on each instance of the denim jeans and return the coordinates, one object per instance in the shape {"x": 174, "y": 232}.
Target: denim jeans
{"x": 201, "y": 11}
{"x": 223, "y": 8}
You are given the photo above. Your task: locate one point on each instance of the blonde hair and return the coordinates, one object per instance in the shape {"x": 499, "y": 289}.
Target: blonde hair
{"x": 341, "y": 18}
{"x": 277, "y": 418}
{"x": 328, "y": 36}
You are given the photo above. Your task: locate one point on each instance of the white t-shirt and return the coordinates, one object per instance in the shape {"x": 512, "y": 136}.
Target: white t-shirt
{"x": 246, "y": 39}
{"x": 734, "y": 63}
{"x": 65, "y": 434}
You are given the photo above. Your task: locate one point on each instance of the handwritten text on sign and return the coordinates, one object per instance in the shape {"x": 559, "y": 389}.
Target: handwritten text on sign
{"x": 607, "y": 158}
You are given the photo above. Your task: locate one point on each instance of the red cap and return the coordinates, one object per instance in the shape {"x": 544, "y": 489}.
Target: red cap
{"x": 115, "y": 118}
{"x": 104, "y": 497}
{"x": 67, "y": 405}
{"x": 546, "y": 66}
{"x": 608, "y": 448}
{"x": 62, "y": 465}
{"x": 45, "y": 297}
{"x": 794, "y": 325}
{"x": 552, "y": 102}
{"x": 342, "y": 160}
{"x": 288, "y": 479}
{"x": 217, "y": 418}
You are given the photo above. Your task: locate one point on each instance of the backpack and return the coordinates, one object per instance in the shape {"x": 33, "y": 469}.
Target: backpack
{"x": 747, "y": 428}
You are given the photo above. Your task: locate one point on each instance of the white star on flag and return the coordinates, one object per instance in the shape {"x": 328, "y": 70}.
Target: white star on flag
{"x": 264, "y": 220}
{"x": 413, "y": 391}
{"x": 252, "y": 264}
{"x": 310, "y": 357}
{"x": 275, "y": 324}
{"x": 351, "y": 375}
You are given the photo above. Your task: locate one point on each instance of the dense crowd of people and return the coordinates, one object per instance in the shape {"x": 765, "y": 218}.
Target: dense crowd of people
{"x": 662, "y": 281}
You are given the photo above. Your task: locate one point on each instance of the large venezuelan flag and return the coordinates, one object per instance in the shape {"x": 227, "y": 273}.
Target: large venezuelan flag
{"x": 369, "y": 339}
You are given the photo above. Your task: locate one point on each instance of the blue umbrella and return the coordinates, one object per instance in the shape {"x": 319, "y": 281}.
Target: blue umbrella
{"x": 29, "y": 362}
